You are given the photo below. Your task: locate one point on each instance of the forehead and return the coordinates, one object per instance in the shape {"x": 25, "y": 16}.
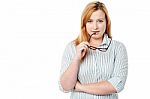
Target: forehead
{"x": 97, "y": 14}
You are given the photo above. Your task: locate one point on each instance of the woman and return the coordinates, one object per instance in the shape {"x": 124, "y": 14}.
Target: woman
{"x": 94, "y": 66}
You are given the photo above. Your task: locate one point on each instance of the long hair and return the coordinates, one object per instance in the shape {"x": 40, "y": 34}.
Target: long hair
{"x": 87, "y": 12}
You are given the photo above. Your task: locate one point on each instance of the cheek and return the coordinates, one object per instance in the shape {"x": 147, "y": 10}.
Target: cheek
{"x": 102, "y": 27}
{"x": 88, "y": 28}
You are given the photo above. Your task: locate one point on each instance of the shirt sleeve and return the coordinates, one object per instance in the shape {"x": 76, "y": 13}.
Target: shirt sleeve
{"x": 120, "y": 72}
{"x": 66, "y": 61}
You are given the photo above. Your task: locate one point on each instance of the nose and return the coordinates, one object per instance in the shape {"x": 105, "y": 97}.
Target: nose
{"x": 95, "y": 25}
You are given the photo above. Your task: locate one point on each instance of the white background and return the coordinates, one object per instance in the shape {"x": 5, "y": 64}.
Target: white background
{"x": 34, "y": 33}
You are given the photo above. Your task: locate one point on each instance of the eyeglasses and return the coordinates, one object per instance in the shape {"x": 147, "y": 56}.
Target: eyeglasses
{"x": 100, "y": 49}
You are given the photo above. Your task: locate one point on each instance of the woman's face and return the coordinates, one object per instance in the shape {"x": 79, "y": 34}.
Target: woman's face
{"x": 96, "y": 24}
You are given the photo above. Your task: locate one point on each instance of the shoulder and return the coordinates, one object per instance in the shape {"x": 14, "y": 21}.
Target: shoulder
{"x": 70, "y": 46}
{"x": 118, "y": 44}
{"x": 119, "y": 47}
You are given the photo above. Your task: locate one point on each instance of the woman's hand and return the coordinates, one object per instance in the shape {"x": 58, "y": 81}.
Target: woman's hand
{"x": 81, "y": 50}
{"x": 78, "y": 86}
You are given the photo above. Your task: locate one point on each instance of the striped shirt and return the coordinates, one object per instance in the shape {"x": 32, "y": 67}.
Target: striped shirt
{"x": 111, "y": 66}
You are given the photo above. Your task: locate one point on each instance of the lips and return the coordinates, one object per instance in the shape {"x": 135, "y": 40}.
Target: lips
{"x": 95, "y": 32}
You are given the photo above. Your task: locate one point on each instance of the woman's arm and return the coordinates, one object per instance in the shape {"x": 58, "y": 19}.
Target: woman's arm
{"x": 118, "y": 78}
{"x": 101, "y": 88}
{"x": 69, "y": 78}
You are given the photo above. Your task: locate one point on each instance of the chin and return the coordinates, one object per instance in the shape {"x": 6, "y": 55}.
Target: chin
{"x": 99, "y": 35}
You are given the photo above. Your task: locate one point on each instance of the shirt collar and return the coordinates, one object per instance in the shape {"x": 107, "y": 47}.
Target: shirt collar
{"x": 106, "y": 40}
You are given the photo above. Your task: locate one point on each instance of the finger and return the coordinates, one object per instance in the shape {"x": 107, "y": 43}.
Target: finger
{"x": 83, "y": 48}
{"x": 86, "y": 43}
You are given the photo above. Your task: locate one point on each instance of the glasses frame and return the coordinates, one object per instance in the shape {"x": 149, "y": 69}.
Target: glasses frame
{"x": 97, "y": 48}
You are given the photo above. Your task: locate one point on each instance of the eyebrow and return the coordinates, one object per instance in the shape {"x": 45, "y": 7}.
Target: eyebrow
{"x": 98, "y": 19}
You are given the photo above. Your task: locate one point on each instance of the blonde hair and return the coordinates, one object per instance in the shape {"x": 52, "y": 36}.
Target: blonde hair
{"x": 87, "y": 12}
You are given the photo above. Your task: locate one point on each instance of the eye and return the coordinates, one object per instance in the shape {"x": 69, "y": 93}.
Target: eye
{"x": 89, "y": 21}
{"x": 100, "y": 20}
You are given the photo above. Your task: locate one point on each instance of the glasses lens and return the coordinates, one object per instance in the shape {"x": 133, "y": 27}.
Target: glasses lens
{"x": 100, "y": 49}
